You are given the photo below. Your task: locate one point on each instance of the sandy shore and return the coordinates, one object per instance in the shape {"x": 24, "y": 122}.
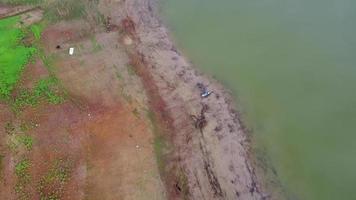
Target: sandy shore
{"x": 214, "y": 162}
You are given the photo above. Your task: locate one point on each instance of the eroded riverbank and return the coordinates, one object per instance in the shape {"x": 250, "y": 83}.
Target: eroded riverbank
{"x": 105, "y": 124}
{"x": 215, "y": 163}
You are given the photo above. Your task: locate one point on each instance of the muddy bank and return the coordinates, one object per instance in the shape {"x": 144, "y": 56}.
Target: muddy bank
{"x": 209, "y": 164}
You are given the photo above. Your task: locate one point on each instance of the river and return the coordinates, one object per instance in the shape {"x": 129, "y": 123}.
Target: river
{"x": 292, "y": 66}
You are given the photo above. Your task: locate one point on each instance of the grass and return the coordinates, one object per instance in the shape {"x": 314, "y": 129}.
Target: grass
{"x": 36, "y": 30}
{"x": 27, "y": 141}
{"x": 20, "y": 141}
{"x": 159, "y": 148}
{"x": 26, "y": 126}
{"x": 95, "y": 45}
{"x": 64, "y": 10}
{"x": 159, "y": 143}
{"x": 52, "y": 183}
{"x": 13, "y": 55}
{"x": 23, "y": 178}
{"x": 21, "y": 169}
{"x": 136, "y": 112}
{"x": 9, "y": 128}
{"x": 131, "y": 71}
{"x": 20, "y": 2}
{"x": 44, "y": 90}
{"x": 182, "y": 182}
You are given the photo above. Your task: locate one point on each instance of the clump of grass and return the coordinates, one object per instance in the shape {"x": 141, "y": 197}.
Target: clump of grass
{"x": 159, "y": 142}
{"x": 136, "y": 112}
{"x": 182, "y": 183}
{"x": 118, "y": 76}
{"x": 22, "y": 169}
{"x": 64, "y": 10}
{"x": 131, "y": 70}
{"x": 27, "y": 141}
{"x": 52, "y": 183}
{"x": 13, "y": 55}
{"x": 95, "y": 45}
{"x": 45, "y": 89}
{"x": 23, "y": 178}
{"x": 9, "y": 128}
{"x": 21, "y": 141}
{"x": 26, "y": 126}
{"x": 159, "y": 148}
{"x": 25, "y": 98}
{"x": 20, "y": 2}
{"x": 36, "y": 31}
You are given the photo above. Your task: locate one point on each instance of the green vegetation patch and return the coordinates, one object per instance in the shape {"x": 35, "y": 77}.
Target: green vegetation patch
{"x": 22, "y": 171}
{"x": 20, "y": 141}
{"x": 13, "y": 55}
{"x": 64, "y": 10}
{"x": 159, "y": 144}
{"x": 9, "y": 128}
{"x": 53, "y": 182}
{"x": 96, "y": 46}
{"x": 22, "y": 168}
{"x": 26, "y": 141}
{"x": 45, "y": 89}
{"x": 36, "y": 30}
{"x": 20, "y": 2}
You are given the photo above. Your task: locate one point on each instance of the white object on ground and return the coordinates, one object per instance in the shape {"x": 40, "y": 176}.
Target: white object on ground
{"x": 71, "y": 51}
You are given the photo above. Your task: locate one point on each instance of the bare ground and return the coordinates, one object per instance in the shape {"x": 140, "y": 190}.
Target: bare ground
{"x": 103, "y": 137}
{"x": 100, "y": 139}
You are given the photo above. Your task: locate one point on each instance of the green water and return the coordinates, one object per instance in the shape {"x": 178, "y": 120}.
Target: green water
{"x": 292, "y": 66}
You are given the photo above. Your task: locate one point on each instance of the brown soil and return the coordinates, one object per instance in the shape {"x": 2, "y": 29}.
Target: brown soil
{"x": 100, "y": 138}
{"x": 126, "y": 88}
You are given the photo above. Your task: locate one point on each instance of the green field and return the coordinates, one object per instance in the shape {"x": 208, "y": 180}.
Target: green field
{"x": 13, "y": 55}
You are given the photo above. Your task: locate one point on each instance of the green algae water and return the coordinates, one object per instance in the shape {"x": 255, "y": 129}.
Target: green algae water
{"x": 292, "y": 66}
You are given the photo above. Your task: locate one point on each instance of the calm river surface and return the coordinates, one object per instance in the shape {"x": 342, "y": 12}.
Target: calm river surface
{"x": 292, "y": 66}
